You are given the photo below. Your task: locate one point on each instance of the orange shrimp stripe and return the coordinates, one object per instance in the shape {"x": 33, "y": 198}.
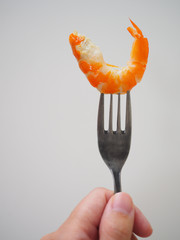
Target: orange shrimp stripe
{"x": 140, "y": 50}
{"x": 86, "y": 67}
{"x": 74, "y": 41}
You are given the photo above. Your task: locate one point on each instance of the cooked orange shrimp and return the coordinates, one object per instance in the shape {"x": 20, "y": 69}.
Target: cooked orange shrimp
{"x": 109, "y": 78}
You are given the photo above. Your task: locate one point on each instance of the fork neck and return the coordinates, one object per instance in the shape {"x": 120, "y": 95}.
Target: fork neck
{"x": 117, "y": 181}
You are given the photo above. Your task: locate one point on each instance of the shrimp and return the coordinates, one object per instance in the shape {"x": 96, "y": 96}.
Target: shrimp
{"x": 107, "y": 78}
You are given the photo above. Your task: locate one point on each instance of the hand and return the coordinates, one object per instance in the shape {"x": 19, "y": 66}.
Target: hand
{"x": 103, "y": 216}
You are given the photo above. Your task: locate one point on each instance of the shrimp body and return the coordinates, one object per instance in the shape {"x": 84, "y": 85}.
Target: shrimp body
{"x": 109, "y": 78}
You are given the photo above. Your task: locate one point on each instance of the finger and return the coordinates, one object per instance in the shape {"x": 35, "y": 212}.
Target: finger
{"x": 118, "y": 218}
{"x": 85, "y": 218}
{"x": 49, "y": 236}
{"x": 142, "y": 227}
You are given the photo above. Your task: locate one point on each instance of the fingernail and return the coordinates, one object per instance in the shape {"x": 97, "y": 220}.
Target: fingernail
{"x": 122, "y": 203}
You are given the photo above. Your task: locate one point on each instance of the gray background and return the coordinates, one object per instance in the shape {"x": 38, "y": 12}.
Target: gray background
{"x": 49, "y": 158}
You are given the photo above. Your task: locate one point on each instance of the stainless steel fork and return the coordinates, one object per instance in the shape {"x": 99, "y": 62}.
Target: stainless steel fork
{"x": 114, "y": 146}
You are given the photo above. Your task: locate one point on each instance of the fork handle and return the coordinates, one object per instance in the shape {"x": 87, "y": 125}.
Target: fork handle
{"x": 117, "y": 181}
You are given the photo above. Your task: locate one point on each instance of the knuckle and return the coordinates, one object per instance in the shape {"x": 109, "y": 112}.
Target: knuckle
{"x": 99, "y": 190}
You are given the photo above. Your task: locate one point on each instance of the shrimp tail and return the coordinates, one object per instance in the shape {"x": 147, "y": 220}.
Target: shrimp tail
{"x": 139, "y": 52}
{"x": 136, "y": 33}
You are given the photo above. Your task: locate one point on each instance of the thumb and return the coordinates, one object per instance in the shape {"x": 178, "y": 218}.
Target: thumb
{"x": 118, "y": 218}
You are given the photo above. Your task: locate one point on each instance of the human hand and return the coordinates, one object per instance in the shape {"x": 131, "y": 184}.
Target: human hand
{"x": 101, "y": 215}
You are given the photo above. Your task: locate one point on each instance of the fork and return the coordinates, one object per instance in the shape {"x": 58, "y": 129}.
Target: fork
{"x": 114, "y": 146}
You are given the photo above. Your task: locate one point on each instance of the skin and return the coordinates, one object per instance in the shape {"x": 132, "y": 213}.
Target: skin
{"x": 101, "y": 215}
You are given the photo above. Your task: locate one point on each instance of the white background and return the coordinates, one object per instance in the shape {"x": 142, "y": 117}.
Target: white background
{"x": 49, "y": 158}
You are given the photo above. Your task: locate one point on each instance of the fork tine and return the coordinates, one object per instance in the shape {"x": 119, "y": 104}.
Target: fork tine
{"x": 114, "y": 148}
{"x": 128, "y": 113}
{"x": 118, "y": 115}
{"x": 101, "y": 114}
{"x": 111, "y": 113}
